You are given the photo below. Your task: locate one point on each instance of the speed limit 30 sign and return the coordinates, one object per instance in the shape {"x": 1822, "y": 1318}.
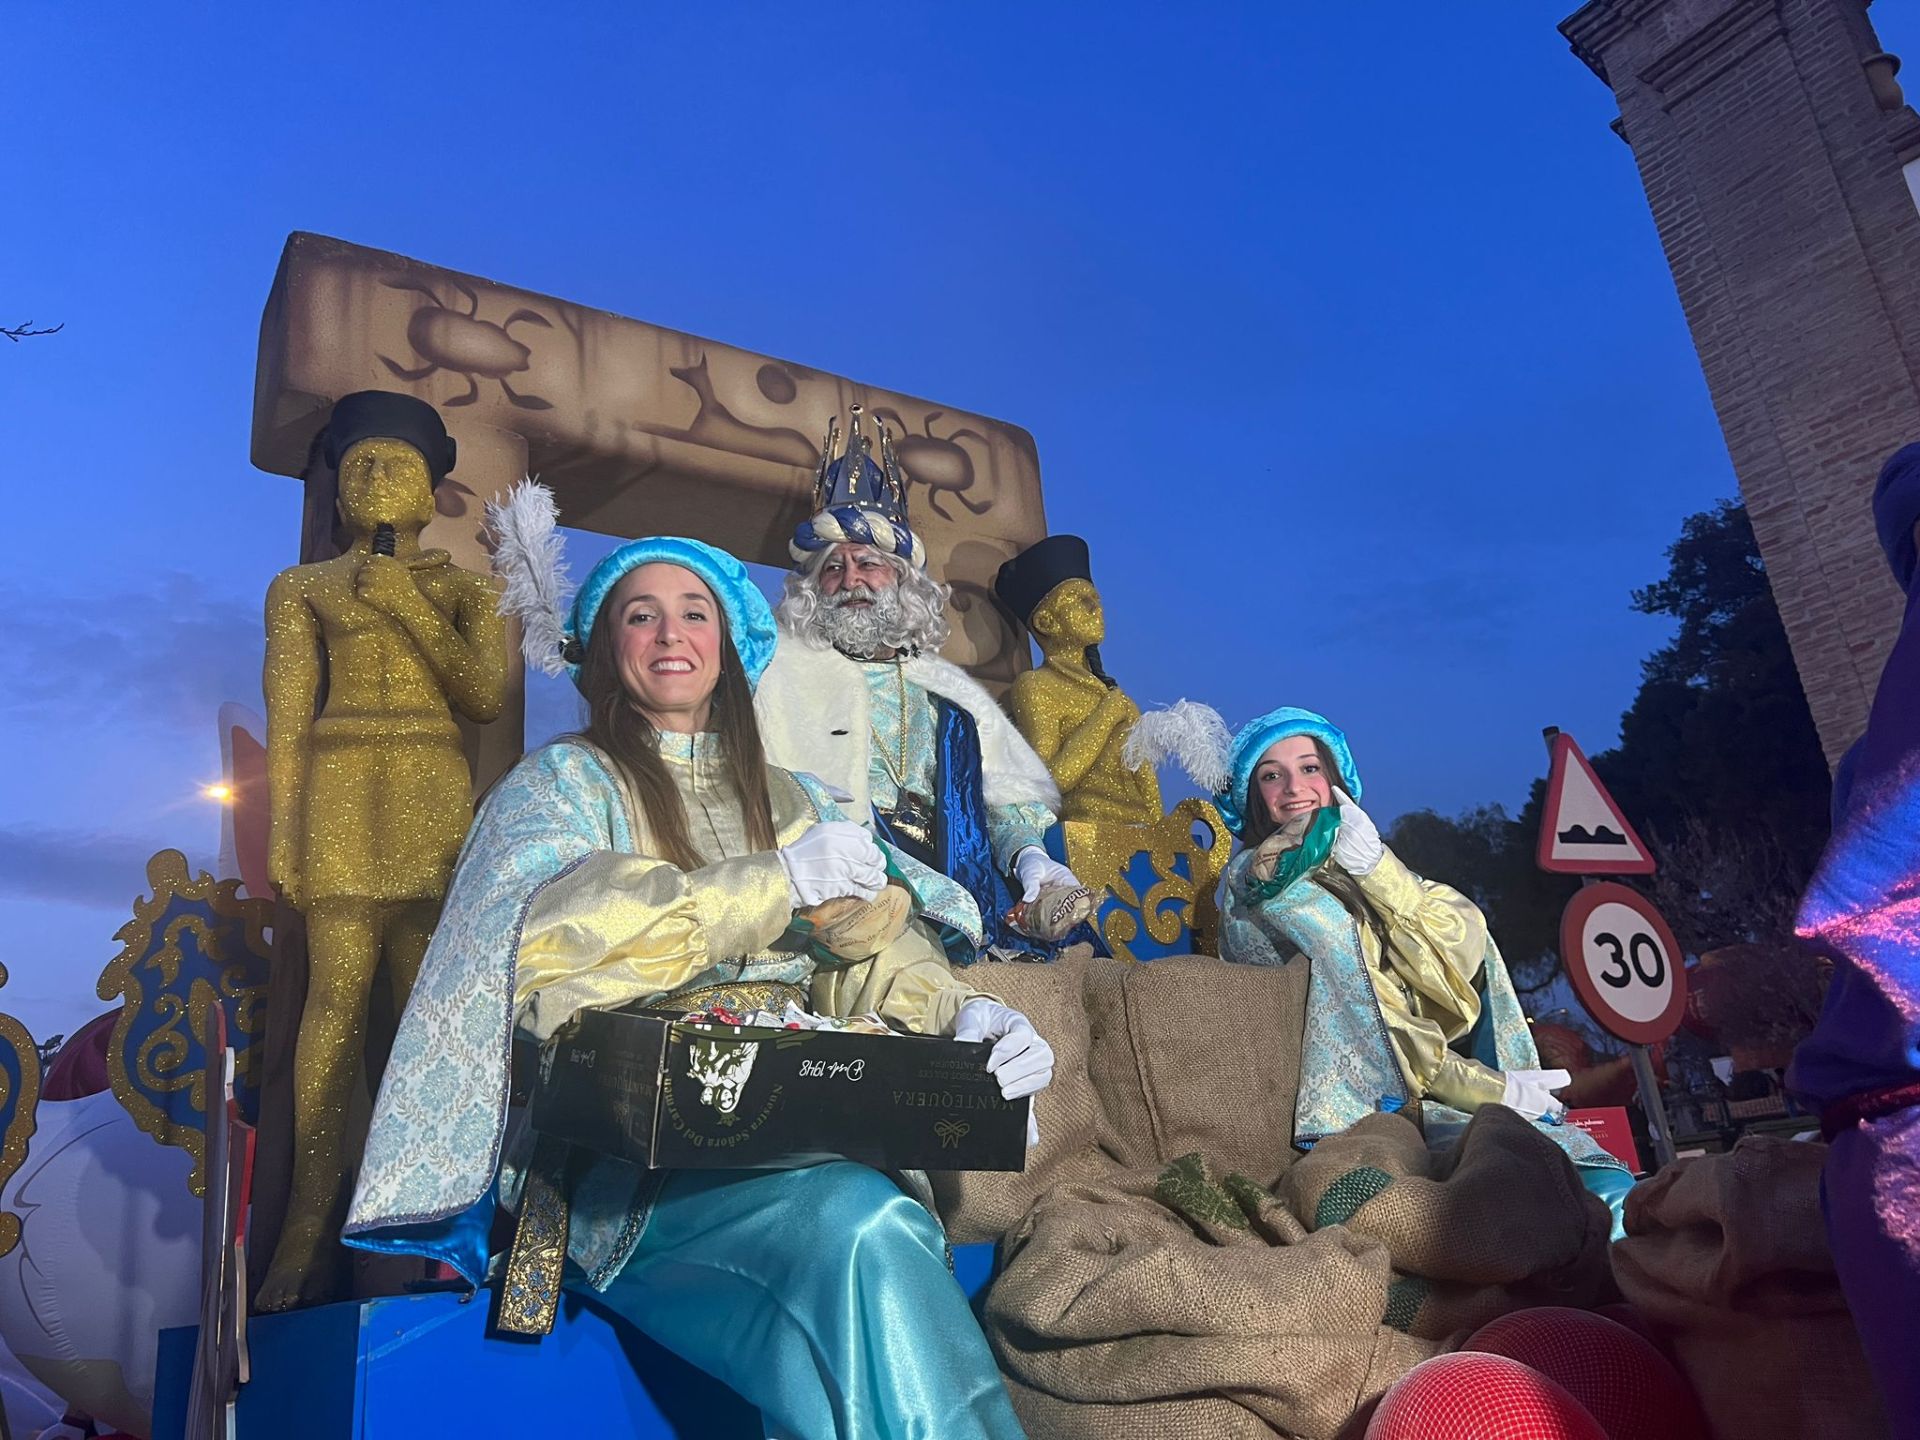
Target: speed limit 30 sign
{"x": 1623, "y": 962}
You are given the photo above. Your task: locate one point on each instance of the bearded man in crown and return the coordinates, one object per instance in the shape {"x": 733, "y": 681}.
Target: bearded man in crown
{"x": 858, "y": 698}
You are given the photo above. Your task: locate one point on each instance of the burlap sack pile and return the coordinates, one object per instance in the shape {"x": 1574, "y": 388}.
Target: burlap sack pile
{"x": 1191, "y": 1053}
{"x": 1177, "y": 1273}
{"x": 1726, "y": 1257}
{"x": 1112, "y": 1303}
{"x": 1150, "y": 1062}
{"x": 981, "y": 1205}
{"x": 1498, "y": 1222}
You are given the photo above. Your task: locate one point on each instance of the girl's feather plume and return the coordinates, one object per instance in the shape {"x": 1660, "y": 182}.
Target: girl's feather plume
{"x": 1188, "y": 733}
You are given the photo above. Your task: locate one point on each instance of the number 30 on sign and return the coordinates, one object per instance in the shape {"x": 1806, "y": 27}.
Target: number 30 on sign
{"x": 1623, "y": 962}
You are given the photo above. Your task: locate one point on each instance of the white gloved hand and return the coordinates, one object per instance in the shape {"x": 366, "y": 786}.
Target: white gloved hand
{"x": 1531, "y": 1093}
{"x": 1021, "y": 1061}
{"x": 833, "y": 858}
{"x": 1356, "y": 844}
{"x": 1039, "y": 871}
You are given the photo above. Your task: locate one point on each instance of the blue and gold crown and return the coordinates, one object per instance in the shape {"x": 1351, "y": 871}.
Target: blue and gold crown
{"x": 858, "y": 499}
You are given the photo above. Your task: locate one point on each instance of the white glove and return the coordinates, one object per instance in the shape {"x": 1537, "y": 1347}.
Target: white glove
{"x": 1356, "y": 844}
{"x": 1039, "y": 871}
{"x": 1021, "y": 1061}
{"x": 833, "y": 858}
{"x": 1531, "y": 1093}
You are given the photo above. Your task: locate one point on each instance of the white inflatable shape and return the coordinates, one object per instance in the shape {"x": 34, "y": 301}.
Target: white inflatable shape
{"x": 109, "y": 1256}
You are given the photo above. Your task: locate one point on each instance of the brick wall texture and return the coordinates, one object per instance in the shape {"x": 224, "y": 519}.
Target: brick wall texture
{"x": 1774, "y": 175}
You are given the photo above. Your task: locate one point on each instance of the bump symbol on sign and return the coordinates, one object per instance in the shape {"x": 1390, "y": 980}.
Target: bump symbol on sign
{"x": 1582, "y": 829}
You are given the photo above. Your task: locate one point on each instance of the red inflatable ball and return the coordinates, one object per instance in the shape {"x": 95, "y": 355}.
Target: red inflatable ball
{"x": 1479, "y": 1397}
{"x": 1618, "y": 1376}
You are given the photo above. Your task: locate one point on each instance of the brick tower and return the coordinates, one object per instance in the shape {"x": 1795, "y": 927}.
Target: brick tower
{"x": 1773, "y": 143}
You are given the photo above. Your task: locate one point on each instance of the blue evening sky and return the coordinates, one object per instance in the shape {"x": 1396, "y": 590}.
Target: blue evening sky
{"x": 1343, "y": 331}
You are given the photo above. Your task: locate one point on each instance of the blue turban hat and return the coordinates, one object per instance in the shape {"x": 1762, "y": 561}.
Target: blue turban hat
{"x": 1254, "y": 740}
{"x": 858, "y": 499}
{"x": 749, "y": 617}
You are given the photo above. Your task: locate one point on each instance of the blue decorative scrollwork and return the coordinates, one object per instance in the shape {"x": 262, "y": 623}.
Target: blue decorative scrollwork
{"x": 195, "y": 945}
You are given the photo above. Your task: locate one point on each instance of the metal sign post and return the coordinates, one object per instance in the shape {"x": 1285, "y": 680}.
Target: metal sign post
{"x": 1650, "y": 1101}
{"x": 1619, "y": 953}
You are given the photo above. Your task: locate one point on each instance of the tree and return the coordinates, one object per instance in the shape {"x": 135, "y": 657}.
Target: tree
{"x": 17, "y": 333}
{"x": 1718, "y": 761}
{"x": 1718, "y": 767}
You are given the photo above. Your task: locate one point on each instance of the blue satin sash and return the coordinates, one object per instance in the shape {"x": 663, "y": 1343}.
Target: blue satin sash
{"x": 962, "y": 851}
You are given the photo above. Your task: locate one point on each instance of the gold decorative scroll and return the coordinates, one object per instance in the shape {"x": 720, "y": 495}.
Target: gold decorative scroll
{"x": 194, "y": 945}
{"x": 19, "y": 1104}
{"x": 1145, "y": 919}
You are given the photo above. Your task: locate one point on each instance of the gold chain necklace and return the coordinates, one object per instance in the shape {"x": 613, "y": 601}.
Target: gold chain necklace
{"x": 912, "y": 817}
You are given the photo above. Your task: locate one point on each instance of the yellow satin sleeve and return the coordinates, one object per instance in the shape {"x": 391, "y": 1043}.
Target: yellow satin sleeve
{"x": 623, "y": 928}
{"x": 909, "y": 984}
{"x": 1437, "y": 942}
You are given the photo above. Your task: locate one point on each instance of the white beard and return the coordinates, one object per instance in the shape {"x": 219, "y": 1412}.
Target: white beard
{"x": 866, "y": 631}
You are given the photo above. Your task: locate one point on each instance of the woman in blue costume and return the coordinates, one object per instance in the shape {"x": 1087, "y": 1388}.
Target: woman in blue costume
{"x": 1409, "y": 1002}
{"x": 657, "y": 859}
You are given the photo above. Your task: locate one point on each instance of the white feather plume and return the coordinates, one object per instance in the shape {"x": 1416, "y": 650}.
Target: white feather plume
{"x": 530, "y": 556}
{"x": 1188, "y": 733}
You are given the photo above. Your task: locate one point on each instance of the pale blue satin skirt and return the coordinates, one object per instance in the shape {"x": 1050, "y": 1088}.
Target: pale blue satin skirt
{"x": 822, "y": 1296}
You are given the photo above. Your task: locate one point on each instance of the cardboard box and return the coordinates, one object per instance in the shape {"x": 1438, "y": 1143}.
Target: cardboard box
{"x": 667, "y": 1094}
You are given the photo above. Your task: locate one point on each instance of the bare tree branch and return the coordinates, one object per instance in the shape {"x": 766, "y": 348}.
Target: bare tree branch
{"x": 17, "y": 333}
{"x": 1719, "y": 885}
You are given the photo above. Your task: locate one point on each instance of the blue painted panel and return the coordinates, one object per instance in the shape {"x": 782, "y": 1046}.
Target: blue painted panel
{"x": 305, "y": 1376}
{"x": 172, "y": 1377}
{"x": 973, "y": 1267}
{"x": 407, "y": 1366}
{"x": 431, "y": 1369}
{"x": 1140, "y": 874}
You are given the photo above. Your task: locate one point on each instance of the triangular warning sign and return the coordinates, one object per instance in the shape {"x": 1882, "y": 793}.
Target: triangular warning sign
{"x": 1582, "y": 831}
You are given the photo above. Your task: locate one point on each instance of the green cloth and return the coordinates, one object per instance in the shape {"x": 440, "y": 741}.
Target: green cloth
{"x": 1306, "y": 857}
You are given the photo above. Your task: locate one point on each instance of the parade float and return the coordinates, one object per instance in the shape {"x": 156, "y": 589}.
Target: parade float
{"x": 1166, "y": 1262}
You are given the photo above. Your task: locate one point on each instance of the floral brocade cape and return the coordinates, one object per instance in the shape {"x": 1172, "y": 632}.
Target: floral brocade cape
{"x": 1347, "y": 1064}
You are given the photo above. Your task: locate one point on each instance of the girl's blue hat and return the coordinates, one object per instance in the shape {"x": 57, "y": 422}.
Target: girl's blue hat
{"x": 749, "y": 617}
{"x": 1254, "y": 740}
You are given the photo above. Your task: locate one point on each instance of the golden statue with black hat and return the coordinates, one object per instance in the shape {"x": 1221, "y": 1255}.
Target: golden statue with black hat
{"x": 1071, "y": 711}
{"x": 1156, "y": 868}
{"x": 368, "y": 656}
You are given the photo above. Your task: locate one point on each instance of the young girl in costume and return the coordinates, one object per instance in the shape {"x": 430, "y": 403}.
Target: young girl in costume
{"x": 1409, "y": 1002}
{"x": 658, "y": 859}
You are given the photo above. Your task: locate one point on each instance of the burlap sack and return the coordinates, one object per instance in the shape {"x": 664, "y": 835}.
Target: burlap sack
{"x": 1726, "y": 1259}
{"x": 984, "y": 1204}
{"x": 1193, "y": 1054}
{"x": 1498, "y": 1222}
{"x": 1110, "y": 1302}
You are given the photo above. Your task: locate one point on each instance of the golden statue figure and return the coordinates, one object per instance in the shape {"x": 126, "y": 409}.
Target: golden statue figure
{"x": 370, "y": 793}
{"x": 1070, "y": 710}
